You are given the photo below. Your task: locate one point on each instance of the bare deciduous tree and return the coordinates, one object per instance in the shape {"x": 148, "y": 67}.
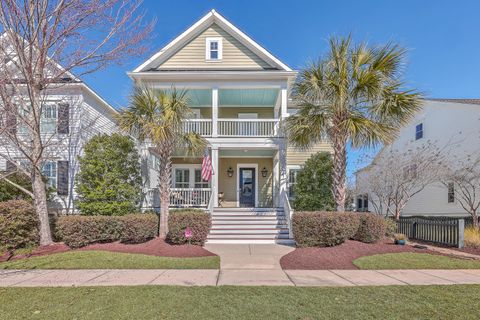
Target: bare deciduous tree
{"x": 43, "y": 44}
{"x": 464, "y": 174}
{"x": 398, "y": 175}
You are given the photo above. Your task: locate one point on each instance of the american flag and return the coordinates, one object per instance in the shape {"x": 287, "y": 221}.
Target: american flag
{"x": 207, "y": 166}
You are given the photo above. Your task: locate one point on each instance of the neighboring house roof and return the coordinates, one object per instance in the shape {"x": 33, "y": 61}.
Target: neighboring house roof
{"x": 71, "y": 80}
{"x": 464, "y": 101}
{"x": 201, "y": 25}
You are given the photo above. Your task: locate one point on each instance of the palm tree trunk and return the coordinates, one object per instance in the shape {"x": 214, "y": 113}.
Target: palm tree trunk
{"x": 164, "y": 180}
{"x": 40, "y": 201}
{"x": 339, "y": 171}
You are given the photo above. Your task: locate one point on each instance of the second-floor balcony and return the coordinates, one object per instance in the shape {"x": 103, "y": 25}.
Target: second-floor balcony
{"x": 234, "y": 127}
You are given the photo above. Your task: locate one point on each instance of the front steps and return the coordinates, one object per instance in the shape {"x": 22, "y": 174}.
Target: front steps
{"x": 249, "y": 225}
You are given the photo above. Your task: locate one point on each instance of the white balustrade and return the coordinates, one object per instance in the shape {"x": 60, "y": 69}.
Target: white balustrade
{"x": 190, "y": 197}
{"x": 201, "y": 126}
{"x": 248, "y": 127}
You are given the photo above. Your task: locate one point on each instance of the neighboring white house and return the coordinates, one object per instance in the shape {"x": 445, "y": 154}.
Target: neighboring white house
{"x": 452, "y": 125}
{"x": 72, "y": 114}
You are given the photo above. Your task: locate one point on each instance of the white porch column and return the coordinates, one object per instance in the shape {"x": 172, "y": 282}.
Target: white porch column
{"x": 284, "y": 102}
{"x": 215, "y": 112}
{"x": 282, "y": 167}
{"x": 276, "y": 179}
{"x": 215, "y": 166}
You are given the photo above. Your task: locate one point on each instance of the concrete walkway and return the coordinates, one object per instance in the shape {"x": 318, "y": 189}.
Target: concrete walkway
{"x": 249, "y": 277}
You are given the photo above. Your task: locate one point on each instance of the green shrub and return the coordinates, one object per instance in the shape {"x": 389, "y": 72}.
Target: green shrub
{"x": 79, "y": 231}
{"x": 10, "y": 192}
{"x": 18, "y": 225}
{"x": 313, "y": 190}
{"x": 109, "y": 181}
{"x": 198, "y": 221}
{"x": 138, "y": 228}
{"x": 390, "y": 227}
{"x": 372, "y": 228}
{"x": 323, "y": 229}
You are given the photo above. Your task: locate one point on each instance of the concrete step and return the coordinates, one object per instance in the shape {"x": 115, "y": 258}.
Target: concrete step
{"x": 249, "y": 226}
{"x": 251, "y": 241}
{"x": 248, "y": 214}
{"x": 247, "y": 231}
{"x": 255, "y": 236}
{"x": 224, "y": 209}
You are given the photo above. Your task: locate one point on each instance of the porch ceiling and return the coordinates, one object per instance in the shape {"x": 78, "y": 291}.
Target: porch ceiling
{"x": 245, "y": 153}
{"x": 247, "y": 97}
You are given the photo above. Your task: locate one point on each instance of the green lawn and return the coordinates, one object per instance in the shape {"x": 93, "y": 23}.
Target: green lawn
{"x": 110, "y": 260}
{"x": 408, "y": 260}
{"x": 161, "y": 302}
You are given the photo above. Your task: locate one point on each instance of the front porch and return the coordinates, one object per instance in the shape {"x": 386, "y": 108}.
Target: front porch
{"x": 249, "y": 178}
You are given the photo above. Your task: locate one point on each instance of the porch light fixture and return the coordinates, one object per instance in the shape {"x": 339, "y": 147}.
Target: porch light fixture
{"x": 230, "y": 172}
{"x": 264, "y": 172}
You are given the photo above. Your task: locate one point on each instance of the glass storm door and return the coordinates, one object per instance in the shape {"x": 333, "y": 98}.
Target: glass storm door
{"x": 247, "y": 187}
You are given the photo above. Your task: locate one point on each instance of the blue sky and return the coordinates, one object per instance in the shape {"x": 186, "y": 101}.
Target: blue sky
{"x": 442, "y": 37}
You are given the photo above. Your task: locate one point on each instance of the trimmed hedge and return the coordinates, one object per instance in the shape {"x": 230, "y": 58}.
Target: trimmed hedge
{"x": 198, "y": 221}
{"x": 324, "y": 229}
{"x": 138, "y": 228}
{"x": 372, "y": 228}
{"x": 18, "y": 225}
{"x": 390, "y": 227}
{"x": 79, "y": 231}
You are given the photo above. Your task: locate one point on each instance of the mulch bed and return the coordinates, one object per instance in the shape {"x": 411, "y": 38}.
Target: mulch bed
{"x": 155, "y": 247}
{"x": 340, "y": 257}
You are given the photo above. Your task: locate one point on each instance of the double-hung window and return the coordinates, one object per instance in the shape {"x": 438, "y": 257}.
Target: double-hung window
{"x": 48, "y": 122}
{"x": 292, "y": 181}
{"x": 419, "y": 131}
{"x": 451, "y": 192}
{"x": 49, "y": 171}
{"x": 182, "y": 178}
{"x": 199, "y": 182}
{"x": 213, "y": 48}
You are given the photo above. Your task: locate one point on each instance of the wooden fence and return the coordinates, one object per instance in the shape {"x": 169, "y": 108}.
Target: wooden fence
{"x": 443, "y": 230}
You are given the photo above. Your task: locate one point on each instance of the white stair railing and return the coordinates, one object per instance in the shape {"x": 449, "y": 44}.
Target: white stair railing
{"x": 288, "y": 210}
{"x": 248, "y": 127}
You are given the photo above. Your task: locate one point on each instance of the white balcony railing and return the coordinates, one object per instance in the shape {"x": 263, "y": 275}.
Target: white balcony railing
{"x": 179, "y": 198}
{"x": 248, "y": 127}
{"x": 201, "y": 126}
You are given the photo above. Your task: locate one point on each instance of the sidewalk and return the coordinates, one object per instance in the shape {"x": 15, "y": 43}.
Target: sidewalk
{"x": 240, "y": 277}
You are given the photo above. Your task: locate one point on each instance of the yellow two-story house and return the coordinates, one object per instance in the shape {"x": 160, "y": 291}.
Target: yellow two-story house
{"x": 239, "y": 93}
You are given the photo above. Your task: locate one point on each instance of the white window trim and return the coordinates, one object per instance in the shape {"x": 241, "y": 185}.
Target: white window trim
{"x": 209, "y": 40}
{"x": 247, "y": 115}
{"x": 291, "y": 167}
{"x": 191, "y": 167}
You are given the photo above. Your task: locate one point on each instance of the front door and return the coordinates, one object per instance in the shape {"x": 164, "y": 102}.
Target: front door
{"x": 247, "y": 187}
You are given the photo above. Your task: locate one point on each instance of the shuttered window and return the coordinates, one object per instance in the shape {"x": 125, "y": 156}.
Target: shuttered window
{"x": 63, "y": 124}
{"x": 62, "y": 173}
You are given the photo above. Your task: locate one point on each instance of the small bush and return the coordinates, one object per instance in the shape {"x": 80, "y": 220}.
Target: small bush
{"x": 198, "y": 221}
{"x": 79, "y": 231}
{"x": 138, "y": 228}
{"x": 472, "y": 237}
{"x": 372, "y": 228}
{"x": 390, "y": 227}
{"x": 18, "y": 225}
{"x": 323, "y": 229}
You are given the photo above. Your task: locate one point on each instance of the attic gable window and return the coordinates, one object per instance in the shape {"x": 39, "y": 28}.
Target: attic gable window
{"x": 213, "y": 48}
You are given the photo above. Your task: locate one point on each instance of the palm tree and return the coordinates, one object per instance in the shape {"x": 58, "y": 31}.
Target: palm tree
{"x": 353, "y": 94}
{"x": 156, "y": 116}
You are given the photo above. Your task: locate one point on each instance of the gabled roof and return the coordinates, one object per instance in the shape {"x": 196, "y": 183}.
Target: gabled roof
{"x": 464, "y": 101}
{"x": 209, "y": 19}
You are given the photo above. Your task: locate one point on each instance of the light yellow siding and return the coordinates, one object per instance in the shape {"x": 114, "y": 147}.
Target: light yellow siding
{"x": 228, "y": 185}
{"x": 235, "y": 54}
{"x": 298, "y": 157}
